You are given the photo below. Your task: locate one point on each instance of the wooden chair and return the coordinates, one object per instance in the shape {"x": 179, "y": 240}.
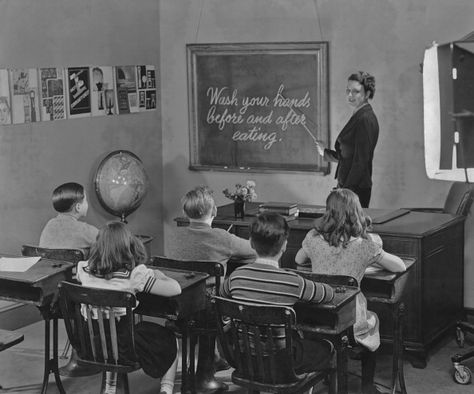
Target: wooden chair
{"x": 9, "y": 339}
{"x": 458, "y": 201}
{"x": 204, "y": 324}
{"x": 95, "y": 339}
{"x": 257, "y": 342}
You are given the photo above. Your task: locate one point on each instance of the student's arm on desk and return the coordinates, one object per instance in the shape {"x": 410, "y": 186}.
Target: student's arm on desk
{"x": 385, "y": 260}
{"x": 302, "y": 260}
{"x": 164, "y": 285}
{"x": 389, "y": 262}
{"x": 317, "y": 292}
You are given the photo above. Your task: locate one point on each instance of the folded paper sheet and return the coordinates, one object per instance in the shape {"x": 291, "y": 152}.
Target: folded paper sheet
{"x": 17, "y": 264}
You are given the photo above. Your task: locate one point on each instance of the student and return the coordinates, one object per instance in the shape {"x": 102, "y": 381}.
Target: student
{"x": 117, "y": 262}
{"x": 264, "y": 282}
{"x": 199, "y": 241}
{"x": 341, "y": 245}
{"x": 65, "y": 231}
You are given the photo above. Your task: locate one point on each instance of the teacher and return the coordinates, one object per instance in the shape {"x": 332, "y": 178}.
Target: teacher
{"x": 355, "y": 144}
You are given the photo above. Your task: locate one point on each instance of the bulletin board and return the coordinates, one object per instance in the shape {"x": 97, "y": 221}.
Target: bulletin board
{"x": 258, "y": 106}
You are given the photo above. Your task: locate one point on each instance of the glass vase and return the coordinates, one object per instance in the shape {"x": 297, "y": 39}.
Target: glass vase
{"x": 239, "y": 209}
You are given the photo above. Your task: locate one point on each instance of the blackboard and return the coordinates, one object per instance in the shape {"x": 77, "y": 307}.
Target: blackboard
{"x": 258, "y": 106}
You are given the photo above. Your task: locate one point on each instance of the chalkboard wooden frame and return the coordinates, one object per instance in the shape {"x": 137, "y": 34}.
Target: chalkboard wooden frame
{"x": 286, "y": 87}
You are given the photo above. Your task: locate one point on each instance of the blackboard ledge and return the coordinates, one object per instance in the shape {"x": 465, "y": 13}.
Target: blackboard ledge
{"x": 325, "y": 170}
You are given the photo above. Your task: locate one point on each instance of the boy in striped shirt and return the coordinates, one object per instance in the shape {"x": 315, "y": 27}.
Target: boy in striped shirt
{"x": 264, "y": 282}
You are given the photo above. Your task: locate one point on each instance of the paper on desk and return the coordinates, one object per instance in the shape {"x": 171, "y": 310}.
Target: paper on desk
{"x": 17, "y": 264}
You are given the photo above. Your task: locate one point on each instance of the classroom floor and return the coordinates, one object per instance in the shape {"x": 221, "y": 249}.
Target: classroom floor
{"x": 21, "y": 370}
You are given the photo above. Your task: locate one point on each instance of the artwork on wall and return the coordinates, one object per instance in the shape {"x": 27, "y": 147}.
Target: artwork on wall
{"x": 102, "y": 91}
{"x": 52, "y": 93}
{"x": 5, "y": 104}
{"x": 126, "y": 85}
{"x": 78, "y": 87}
{"x": 146, "y": 79}
{"x": 25, "y": 95}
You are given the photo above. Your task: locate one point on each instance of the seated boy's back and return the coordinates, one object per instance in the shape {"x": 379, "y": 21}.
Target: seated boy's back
{"x": 264, "y": 282}
{"x": 65, "y": 231}
{"x": 200, "y": 241}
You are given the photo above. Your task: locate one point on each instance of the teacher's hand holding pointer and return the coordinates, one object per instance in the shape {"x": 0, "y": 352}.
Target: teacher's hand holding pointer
{"x": 355, "y": 144}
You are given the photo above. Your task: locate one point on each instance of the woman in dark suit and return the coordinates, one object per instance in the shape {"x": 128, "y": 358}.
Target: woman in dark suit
{"x": 355, "y": 144}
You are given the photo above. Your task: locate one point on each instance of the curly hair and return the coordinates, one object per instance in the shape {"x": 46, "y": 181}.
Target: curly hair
{"x": 366, "y": 80}
{"x": 343, "y": 219}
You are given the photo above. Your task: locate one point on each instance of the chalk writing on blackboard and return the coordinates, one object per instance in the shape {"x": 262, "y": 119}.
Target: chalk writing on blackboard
{"x": 257, "y": 106}
{"x": 251, "y": 129}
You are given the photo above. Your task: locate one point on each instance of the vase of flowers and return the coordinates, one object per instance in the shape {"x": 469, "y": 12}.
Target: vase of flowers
{"x": 242, "y": 194}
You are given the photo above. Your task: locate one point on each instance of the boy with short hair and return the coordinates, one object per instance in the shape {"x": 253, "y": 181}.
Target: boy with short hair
{"x": 65, "y": 231}
{"x": 264, "y": 282}
{"x": 200, "y": 241}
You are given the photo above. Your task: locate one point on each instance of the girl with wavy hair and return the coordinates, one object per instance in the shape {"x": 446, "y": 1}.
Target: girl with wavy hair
{"x": 341, "y": 244}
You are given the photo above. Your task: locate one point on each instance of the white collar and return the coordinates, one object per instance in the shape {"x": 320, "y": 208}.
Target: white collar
{"x": 266, "y": 260}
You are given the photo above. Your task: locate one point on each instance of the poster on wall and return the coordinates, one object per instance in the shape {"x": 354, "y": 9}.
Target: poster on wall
{"x": 126, "y": 86}
{"x": 5, "y": 104}
{"x": 146, "y": 82}
{"x": 103, "y": 91}
{"x": 25, "y": 95}
{"x": 52, "y": 93}
{"x": 78, "y": 87}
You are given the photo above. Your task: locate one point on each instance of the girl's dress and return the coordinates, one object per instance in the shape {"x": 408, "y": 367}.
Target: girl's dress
{"x": 352, "y": 260}
{"x": 155, "y": 345}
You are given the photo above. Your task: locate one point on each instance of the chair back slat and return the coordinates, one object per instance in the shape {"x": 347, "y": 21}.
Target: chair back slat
{"x": 234, "y": 338}
{"x": 259, "y": 352}
{"x": 113, "y": 336}
{"x": 243, "y": 335}
{"x": 102, "y": 337}
{"x": 92, "y": 328}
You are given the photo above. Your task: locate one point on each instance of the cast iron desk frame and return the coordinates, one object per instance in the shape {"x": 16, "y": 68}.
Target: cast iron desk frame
{"x": 182, "y": 309}
{"x": 38, "y": 286}
{"x": 434, "y": 291}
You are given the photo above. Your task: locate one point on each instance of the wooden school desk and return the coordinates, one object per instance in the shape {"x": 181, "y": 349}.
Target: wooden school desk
{"x": 331, "y": 320}
{"x": 38, "y": 285}
{"x": 434, "y": 291}
{"x": 182, "y": 309}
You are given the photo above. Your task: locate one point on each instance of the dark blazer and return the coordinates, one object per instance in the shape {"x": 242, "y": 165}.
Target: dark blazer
{"x": 354, "y": 149}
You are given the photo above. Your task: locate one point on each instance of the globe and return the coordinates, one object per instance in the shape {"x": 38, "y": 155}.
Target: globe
{"x": 121, "y": 183}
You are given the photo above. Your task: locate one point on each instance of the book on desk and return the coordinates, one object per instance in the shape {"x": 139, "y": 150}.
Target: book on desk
{"x": 288, "y": 210}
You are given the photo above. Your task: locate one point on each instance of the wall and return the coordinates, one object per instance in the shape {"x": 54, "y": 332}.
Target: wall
{"x": 384, "y": 37}
{"x": 35, "y": 158}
